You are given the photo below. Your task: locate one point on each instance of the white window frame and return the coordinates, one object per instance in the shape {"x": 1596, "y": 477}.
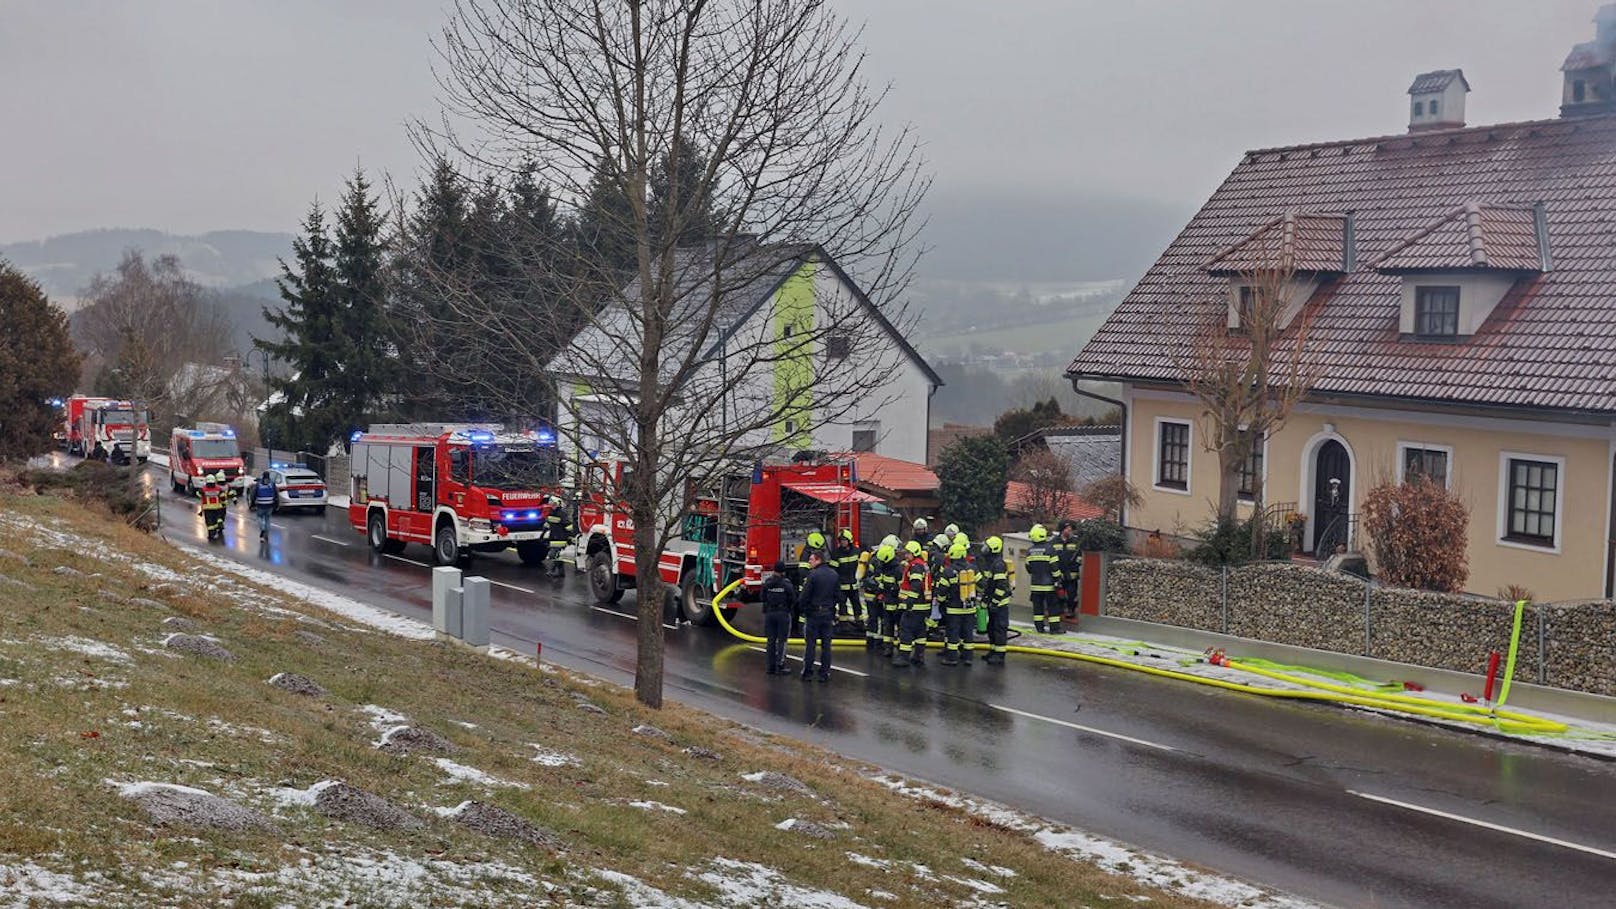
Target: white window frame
{"x": 1424, "y": 446}
{"x": 1250, "y": 500}
{"x": 1189, "y": 456}
{"x": 1504, "y": 457}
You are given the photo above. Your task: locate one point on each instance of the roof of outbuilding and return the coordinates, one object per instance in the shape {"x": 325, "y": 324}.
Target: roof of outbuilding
{"x": 1436, "y": 81}
{"x": 1549, "y": 343}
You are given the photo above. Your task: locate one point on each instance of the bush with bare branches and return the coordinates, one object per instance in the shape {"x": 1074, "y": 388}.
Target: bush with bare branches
{"x": 1417, "y": 534}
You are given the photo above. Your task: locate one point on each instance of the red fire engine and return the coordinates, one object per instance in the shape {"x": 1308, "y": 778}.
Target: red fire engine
{"x": 455, "y": 487}
{"x": 197, "y": 452}
{"x": 117, "y": 425}
{"x": 750, "y": 520}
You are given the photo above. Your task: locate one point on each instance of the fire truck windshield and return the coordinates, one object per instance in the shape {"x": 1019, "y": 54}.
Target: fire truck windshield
{"x": 513, "y": 468}
{"x": 120, "y": 417}
{"x": 214, "y": 448}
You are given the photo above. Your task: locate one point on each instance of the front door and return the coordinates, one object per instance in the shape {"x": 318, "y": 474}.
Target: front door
{"x": 1332, "y": 497}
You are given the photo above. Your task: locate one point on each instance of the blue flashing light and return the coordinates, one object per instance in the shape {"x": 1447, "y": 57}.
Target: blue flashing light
{"x": 510, "y": 515}
{"x": 197, "y": 434}
{"x": 532, "y": 516}
{"x": 545, "y": 436}
{"x": 228, "y": 433}
{"x": 357, "y": 435}
{"x": 480, "y": 435}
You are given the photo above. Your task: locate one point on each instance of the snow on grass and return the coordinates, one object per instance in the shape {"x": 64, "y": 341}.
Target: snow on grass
{"x": 999, "y": 870}
{"x": 369, "y": 616}
{"x": 448, "y": 812}
{"x": 868, "y": 862}
{"x": 28, "y": 885}
{"x": 750, "y": 884}
{"x": 544, "y": 757}
{"x": 85, "y": 646}
{"x": 382, "y": 719}
{"x": 460, "y": 773}
{"x": 139, "y": 788}
{"x": 1110, "y": 855}
{"x": 287, "y": 797}
{"x": 655, "y": 806}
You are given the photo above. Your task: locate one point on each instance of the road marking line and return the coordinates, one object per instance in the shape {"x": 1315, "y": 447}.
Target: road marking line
{"x": 631, "y": 618}
{"x": 792, "y": 656}
{"x": 1486, "y": 824}
{"x": 398, "y": 558}
{"x": 1081, "y": 728}
{"x": 510, "y": 586}
{"x": 343, "y": 543}
{"x": 277, "y": 526}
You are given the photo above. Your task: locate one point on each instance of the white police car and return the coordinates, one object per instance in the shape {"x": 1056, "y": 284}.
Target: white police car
{"x": 296, "y": 487}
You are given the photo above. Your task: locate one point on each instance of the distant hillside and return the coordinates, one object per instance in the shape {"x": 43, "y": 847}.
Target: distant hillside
{"x": 64, "y": 265}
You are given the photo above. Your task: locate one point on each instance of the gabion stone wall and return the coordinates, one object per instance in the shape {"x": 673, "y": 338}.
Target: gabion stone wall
{"x": 1308, "y": 607}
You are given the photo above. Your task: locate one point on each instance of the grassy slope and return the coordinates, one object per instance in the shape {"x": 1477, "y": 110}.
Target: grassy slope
{"x": 73, "y": 722}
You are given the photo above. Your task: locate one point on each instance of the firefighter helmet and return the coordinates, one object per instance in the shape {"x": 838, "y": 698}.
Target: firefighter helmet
{"x": 816, "y": 540}
{"x": 959, "y": 551}
{"x": 1067, "y": 525}
{"x": 993, "y": 545}
{"x": 952, "y": 530}
{"x": 1038, "y": 534}
{"x": 885, "y": 553}
{"x": 913, "y": 548}
{"x": 892, "y": 542}
{"x": 920, "y": 525}
{"x": 960, "y": 539}
{"x": 941, "y": 541}
{"x": 846, "y": 534}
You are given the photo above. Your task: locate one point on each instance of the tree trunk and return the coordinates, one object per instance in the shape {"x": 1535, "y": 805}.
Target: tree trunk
{"x": 1259, "y": 525}
{"x": 1229, "y": 461}
{"x": 649, "y": 595}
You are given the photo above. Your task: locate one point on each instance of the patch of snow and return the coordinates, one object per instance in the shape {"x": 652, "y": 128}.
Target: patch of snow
{"x": 463, "y": 774}
{"x": 266, "y": 736}
{"x": 750, "y": 884}
{"x": 87, "y": 647}
{"x": 881, "y": 895}
{"x": 6, "y": 683}
{"x": 130, "y": 790}
{"x": 656, "y": 806}
{"x": 448, "y": 812}
{"x": 867, "y": 861}
{"x": 1000, "y": 870}
{"x": 547, "y": 758}
{"x": 364, "y": 614}
{"x": 655, "y": 783}
{"x": 979, "y": 886}
{"x": 381, "y": 718}
{"x": 464, "y": 725}
{"x": 1154, "y": 870}
{"x": 754, "y": 777}
{"x": 28, "y": 884}
{"x": 299, "y": 798}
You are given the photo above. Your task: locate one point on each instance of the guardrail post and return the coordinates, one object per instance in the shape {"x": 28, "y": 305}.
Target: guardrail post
{"x": 446, "y": 601}
{"x": 1368, "y": 595}
{"x": 1542, "y": 645}
{"x": 474, "y": 615}
{"x": 1223, "y": 598}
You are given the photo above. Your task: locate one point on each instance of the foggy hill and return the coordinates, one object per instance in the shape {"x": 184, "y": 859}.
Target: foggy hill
{"x": 64, "y": 265}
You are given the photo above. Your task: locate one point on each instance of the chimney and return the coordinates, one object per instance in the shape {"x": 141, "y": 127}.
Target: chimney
{"x": 1588, "y": 87}
{"x": 1437, "y": 100}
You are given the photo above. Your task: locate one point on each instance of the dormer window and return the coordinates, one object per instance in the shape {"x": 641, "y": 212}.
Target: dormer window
{"x": 1579, "y": 91}
{"x": 1435, "y": 107}
{"x": 1436, "y": 311}
{"x": 1419, "y": 108}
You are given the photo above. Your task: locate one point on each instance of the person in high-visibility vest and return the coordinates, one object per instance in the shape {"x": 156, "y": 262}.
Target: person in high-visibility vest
{"x": 881, "y": 580}
{"x": 558, "y": 533}
{"x": 993, "y": 586}
{"x": 1042, "y": 568}
{"x": 845, "y": 559}
{"x": 212, "y": 497}
{"x": 914, "y": 605}
{"x": 1069, "y": 562}
{"x": 959, "y": 611}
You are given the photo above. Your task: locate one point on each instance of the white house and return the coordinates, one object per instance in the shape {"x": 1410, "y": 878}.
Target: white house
{"x": 749, "y": 365}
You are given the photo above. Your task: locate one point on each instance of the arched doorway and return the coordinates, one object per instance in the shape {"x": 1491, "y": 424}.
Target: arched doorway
{"x": 1332, "y": 497}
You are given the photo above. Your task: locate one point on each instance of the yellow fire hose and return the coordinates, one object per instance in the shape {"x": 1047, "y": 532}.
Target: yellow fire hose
{"x": 1503, "y": 720}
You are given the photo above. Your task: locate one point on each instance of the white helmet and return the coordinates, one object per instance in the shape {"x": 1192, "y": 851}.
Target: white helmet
{"x": 920, "y": 525}
{"x": 952, "y": 530}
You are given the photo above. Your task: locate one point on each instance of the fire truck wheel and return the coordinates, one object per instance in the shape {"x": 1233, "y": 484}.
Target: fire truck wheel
{"x": 603, "y": 578}
{"x": 533, "y": 552}
{"x": 376, "y": 532}
{"x": 696, "y": 600}
{"x": 446, "y": 547}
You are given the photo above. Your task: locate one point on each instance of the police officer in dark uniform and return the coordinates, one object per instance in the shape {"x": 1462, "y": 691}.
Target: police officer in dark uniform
{"x": 779, "y": 596}
{"x": 820, "y": 591}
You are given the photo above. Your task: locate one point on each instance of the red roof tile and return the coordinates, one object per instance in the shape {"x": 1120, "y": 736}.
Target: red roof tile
{"x": 1471, "y": 236}
{"x": 1303, "y": 242}
{"x": 891, "y": 473}
{"x": 1018, "y": 499}
{"x": 1550, "y": 343}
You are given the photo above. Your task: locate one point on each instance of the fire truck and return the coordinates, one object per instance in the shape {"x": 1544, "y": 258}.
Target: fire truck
{"x": 744, "y": 523}
{"x": 457, "y": 488}
{"x": 120, "y": 426}
{"x": 196, "y": 452}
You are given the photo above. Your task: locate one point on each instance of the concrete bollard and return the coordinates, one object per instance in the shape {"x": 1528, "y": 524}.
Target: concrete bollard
{"x": 446, "y": 601}
{"x": 474, "y": 612}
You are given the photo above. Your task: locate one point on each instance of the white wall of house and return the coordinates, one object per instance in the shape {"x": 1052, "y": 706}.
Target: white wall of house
{"x": 1479, "y": 294}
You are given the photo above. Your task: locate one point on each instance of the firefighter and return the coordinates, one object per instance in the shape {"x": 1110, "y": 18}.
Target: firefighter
{"x": 557, "y": 530}
{"x": 919, "y": 528}
{"x": 815, "y": 543}
{"x": 914, "y": 605}
{"x": 881, "y": 581}
{"x": 993, "y": 587}
{"x": 213, "y": 506}
{"x": 959, "y": 605}
{"x": 1069, "y": 562}
{"x": 1042, "y": 571}
{"x": 845, "y": 558}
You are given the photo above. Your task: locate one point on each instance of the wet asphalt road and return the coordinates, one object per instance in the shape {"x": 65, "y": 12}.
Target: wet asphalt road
{"x": 1283, "y": 794}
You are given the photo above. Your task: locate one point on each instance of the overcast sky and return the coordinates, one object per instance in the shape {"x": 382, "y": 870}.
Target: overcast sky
{"x": 193, "y": 115}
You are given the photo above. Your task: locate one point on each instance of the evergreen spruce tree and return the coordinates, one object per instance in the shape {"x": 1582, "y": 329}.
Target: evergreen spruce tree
{"x": 367, "y": 376}
{"x": 38, "y": 363}
{"x": 680, "y": 210}
{"x": 604, "y": 233}
{"x": 430, "y": 261}
{"x": 307, "y": 413}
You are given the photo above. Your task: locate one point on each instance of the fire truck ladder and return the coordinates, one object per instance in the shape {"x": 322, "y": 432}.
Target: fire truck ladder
{"x": 734, "y": 506}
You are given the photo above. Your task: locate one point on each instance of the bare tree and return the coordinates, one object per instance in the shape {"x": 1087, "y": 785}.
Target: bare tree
{"x": 1249, "y": 372}
{"x": 795, "y": 180}
{"x": 1049, "y": 485}
{"x": 142, "y": 326}
{"x": 1112, "y": 494}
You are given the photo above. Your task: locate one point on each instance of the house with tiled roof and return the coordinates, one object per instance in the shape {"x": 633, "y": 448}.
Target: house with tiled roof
{"x": 1459, "y": 291}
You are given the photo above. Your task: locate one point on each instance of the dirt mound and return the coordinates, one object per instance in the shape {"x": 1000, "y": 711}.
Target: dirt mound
{"x": 779, "y": 782}
{"x": 200, "y": 645}
{"x": 348, "y": 803}
{"x": 180, "y": 623}
{"x": 297, "y": 684}
{"x": 650, "y": 732}
{"x": 705, "y": 754}
{"x": 168, "y": 804}
{"x": 491, "y": 821}
{"x": 414, "y": 740}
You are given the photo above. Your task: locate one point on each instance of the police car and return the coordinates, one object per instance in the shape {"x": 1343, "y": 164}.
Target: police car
{"x": 296, "y": 486}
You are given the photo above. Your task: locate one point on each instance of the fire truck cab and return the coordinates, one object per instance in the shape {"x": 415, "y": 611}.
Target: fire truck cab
{"x": 122, "y": 427}
{"x": 457, "y": 488}
{"x": 738, "y": 528}
{"x": 196, "y": 452}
